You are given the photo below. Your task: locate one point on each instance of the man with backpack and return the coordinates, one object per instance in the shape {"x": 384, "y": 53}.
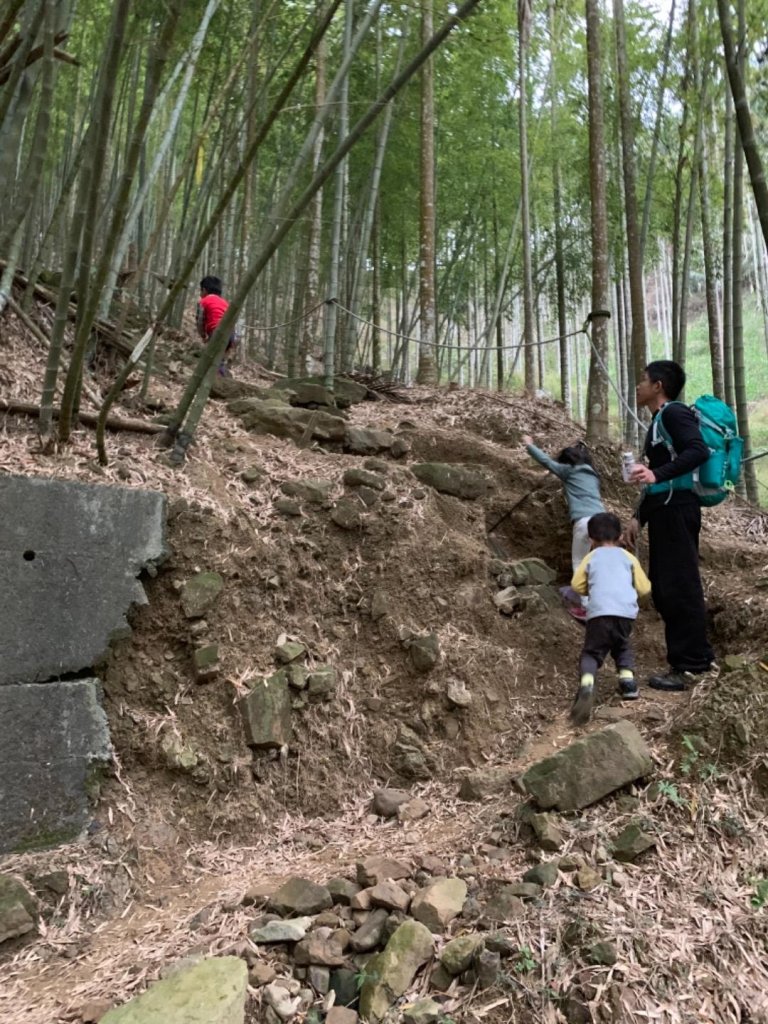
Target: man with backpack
{"x": 674, "y": 450}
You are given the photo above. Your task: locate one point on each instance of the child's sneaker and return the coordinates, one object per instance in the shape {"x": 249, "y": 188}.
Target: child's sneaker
{"x": 628, "y": 689}
{"x": 577, "y": 612}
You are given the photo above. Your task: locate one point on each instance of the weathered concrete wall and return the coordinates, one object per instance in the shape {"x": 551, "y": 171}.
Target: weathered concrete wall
{"x": 69, "y": 557}
{"x": 54, "y": 744}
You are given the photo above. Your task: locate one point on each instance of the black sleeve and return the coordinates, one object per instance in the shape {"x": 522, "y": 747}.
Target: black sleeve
{"x": 690, "y": 451}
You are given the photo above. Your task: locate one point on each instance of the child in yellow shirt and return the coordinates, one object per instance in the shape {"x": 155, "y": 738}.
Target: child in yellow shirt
{"x": 613, "y": 579}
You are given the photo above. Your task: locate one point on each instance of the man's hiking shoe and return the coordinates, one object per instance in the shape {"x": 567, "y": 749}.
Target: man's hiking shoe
{"x": 672, "y": 682}
{"x": 628, "y": 689}
{"x": 578, "y": 613}
{"x": 582, "y": 706}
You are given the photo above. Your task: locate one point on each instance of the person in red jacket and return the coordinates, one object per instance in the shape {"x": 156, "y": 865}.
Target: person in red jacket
{"x": 210, "y": 309}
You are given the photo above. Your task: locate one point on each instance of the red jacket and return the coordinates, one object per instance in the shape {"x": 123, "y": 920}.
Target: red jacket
{"x": 211, "y": 309}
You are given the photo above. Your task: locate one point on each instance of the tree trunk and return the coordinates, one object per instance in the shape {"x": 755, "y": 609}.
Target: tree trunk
{"x": 523, "y": 31}
{"x": 729, "y": 141}
{"x": 597, "y": 390}
{"x": 427, "y": 371}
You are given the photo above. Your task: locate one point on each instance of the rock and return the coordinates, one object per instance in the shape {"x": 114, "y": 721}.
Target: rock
{"x": 367, "y": 496}
{"x": 488, "y": 968}
{"x": 508, "y": 600}
{"x": 314, "y": 492}
{"x": 319, "y": 978}
{"x": 200, "y": 593}
{"x": 346, "y": 514}
{"x": 287, "y": 506}
{"x": 341, "y": 1015}
{"x": 210, "y": 992}
{"x": 458, "y": 953}
{"x": 55, "y": 882}
{"x": 178, "y": 755}
{"x": 94, "y": 1011}
{"x": 602, "y": 953}
{"x": 400, "y": 447}
{"x": 432, "y": 865}
{"x": 424, "y": 652}
{"x": 486, "y": 782}
{"x": 322, "y": 683}
{"x": 438, "y": 904}
{"x": 365, "y": 441}
{"x": 387, "y": 801}
{"x": 18, "y": 909}
{"x": 282, "y": 1002}
{"x": 344, "y": 985}
{"x": 410, "y": 756}
{"x": 272, "y": 416}
{"x": 362, "y": 478}
{"x": 289, "y": 651}
{"x": 414, "y": 810}
{"x": 503, "y": 907}
{"x": 361, "y": 900}
{"x": 252, "y": 474}
{"x": 342, "y": 890}
{"x": 525, "y": 890}
{"x": 261, "y": 974}
{"x": 296, "y": 676}
{"x": 344, "y": 392}
{"x": 542, "y": 874}
{"x": 631, "y": 842}
{"x": 546, "y": 831}
{"x": 376, "y": 465}
{"x": 527, "y": 571}
{"x": 587, "y": 878}
{"x": 389, "y": 895}
{"x": 300, "y": 896}
{"x": 733, "y": 662}
{"x": 423, "y": 1011}
{"x": 266, "y": 713}
{"x": 500, "y": 943}
{"x": 390, "y": 973}
{"x": 311, "y": 395}
{"x": 440, "y": 979}
{"x": 369, "y": 935}
{"x": 380, "y": 605}
{"x": 458, "y": 695}
{"x": 324, "y": 952}
{"x": 206, "y": 662}
{"x": 282, "y": 931}
{"x": 376, "y": 869}
{"x": 460, "y": 481}
{"x": 590, "y": 768}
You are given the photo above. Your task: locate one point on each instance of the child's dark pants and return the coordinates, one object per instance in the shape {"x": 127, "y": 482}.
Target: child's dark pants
{"x": 607, "y": 634}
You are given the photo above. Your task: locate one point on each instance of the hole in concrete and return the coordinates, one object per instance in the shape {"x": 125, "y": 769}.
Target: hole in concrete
{"x": 29, "y": 556}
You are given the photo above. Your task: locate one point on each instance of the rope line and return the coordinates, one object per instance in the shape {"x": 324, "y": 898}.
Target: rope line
{"x": 287, "y": 323}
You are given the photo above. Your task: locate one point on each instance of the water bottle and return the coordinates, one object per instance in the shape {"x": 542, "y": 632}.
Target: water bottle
{"x": 627, "y": 465}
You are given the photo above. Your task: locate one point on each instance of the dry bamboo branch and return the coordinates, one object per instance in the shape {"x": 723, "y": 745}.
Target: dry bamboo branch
{"x": 14, "y": 407}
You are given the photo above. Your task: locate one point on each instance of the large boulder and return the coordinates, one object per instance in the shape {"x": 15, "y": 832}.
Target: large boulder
{"x": 266, "y": 713}
{"x": 281, "y": 420}
{"x": 590, "y": 768}
{"x": 210, "y": 992}
{"x": 389, "y": 975}
{"x": 366, "y": 441}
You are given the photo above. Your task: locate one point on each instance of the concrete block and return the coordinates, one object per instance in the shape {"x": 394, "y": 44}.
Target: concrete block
{"x": 69, "y": 557}
{"x": 54, "y": 742}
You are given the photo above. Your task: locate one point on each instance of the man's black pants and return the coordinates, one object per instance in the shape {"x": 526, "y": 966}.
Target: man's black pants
{"x": 607, "y": 634}
{"x": 673, "y": 569}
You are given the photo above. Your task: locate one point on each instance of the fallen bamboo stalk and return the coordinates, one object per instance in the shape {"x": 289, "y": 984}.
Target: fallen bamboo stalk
{"x": 14, "y": 407}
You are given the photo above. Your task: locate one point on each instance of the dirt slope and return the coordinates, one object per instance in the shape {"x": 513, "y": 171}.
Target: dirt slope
{"x": 169, "y": 841}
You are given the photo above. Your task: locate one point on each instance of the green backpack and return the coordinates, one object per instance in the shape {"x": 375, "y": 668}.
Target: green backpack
{"x": 716, "y": 478}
